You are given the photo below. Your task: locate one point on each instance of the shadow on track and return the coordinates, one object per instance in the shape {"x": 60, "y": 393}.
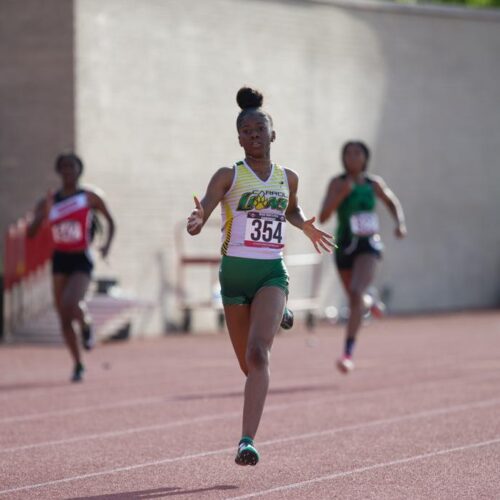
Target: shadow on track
{"x": 157, "y": 493}
{"x": 275, "y": 391}
{"x": 34, "y": 385}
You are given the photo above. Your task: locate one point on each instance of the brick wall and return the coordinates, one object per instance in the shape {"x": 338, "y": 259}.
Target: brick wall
{"x": 36, "y": 99}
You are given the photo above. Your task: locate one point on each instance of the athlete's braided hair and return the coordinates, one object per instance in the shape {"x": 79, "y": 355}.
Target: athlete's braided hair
{"x": 362, "y": 146}
{"x": 68, "y": 156}
{"x": 250, "y": 100}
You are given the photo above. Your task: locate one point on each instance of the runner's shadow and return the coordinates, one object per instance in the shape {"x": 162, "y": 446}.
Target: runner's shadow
{"x": 33, "y": 385}
{"x": 157, "y": 493}
{"x": 303, "y": 388}
{"x": 278, "y": 390}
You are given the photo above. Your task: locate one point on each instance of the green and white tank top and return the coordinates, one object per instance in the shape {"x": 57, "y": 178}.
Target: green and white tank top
{"x": 253, "y": 214}
{"x": 356, "y": 213}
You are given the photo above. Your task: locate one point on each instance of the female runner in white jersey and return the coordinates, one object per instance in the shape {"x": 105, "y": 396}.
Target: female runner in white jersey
{"x": 257, "y": 197}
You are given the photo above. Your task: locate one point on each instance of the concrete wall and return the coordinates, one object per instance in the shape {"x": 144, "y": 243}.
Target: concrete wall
{"x": 36, "y": 100}
{"x": 156, "y": 107}
{"x": 154, "y": 111}
{"x": 438, "y": 145}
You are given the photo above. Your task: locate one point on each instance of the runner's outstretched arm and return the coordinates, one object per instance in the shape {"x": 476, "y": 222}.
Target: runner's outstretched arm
{"x": 217, "y": 188}
{"x": 295, "y": 215}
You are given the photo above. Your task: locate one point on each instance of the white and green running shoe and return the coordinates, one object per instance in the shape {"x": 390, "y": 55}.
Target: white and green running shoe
{"x": 247, "y": 453}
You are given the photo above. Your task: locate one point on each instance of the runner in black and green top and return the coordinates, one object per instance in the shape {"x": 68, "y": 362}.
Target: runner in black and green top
{"x": 257, "y": 198}
{"x": 353, "y": 195}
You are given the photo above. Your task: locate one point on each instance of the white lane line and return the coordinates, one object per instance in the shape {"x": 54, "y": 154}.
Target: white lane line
{"x": 176, "y": 423}
{"x": 209, "y": 418}
{"x": 120, "y": 469}
{"x": 124, "y": 432}
{"x": 400, "y": 461}
{"x": 186, "y": 398}
{"x": 178, "y": 398}
{"x": 309, "y": 435}
{"x": 83, "y": 409}
{"x": 92, "y": 387}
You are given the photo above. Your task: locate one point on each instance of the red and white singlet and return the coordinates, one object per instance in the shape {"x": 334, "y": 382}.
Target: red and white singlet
{"x": 70, "y": 220}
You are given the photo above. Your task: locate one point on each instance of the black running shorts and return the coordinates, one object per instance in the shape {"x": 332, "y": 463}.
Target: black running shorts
{"x": 347, "y": 251}
{"x": 71, "y": 262}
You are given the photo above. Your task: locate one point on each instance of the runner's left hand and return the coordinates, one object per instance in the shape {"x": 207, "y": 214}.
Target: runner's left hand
{"x": 400, "y": 230}
{"x": 104, "y": 251}
{"x": 319, "y": 238}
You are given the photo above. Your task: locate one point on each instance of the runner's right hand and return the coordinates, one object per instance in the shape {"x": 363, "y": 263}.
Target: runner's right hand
{"x": 196, "y": 219}
{"x": 345, "y": 188}
{"x": 46, "y": 205}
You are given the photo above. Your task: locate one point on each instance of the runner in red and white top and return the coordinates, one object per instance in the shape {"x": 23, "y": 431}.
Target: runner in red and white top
{"x": 70, "y": 213}
{"x": 71, "y": 220}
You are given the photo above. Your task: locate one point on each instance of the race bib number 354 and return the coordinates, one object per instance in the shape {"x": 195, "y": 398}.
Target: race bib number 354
{"x": 265, "y": 230}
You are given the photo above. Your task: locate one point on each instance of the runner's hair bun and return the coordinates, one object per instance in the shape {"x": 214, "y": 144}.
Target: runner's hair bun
{"x": 249, "y": 98}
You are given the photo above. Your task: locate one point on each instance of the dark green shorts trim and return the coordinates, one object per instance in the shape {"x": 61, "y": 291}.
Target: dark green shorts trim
{"x": 241, "y": 278}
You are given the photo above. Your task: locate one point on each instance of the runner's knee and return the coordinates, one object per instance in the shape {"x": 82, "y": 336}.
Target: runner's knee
{"x": 68, "y": 312}
{"x": 257, "y": 357}
{"x": 243, "y": 367}
{"x": 355, "y": 297}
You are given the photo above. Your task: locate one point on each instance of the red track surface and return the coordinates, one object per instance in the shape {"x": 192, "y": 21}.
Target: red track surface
{"x": 418, "y": 418}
